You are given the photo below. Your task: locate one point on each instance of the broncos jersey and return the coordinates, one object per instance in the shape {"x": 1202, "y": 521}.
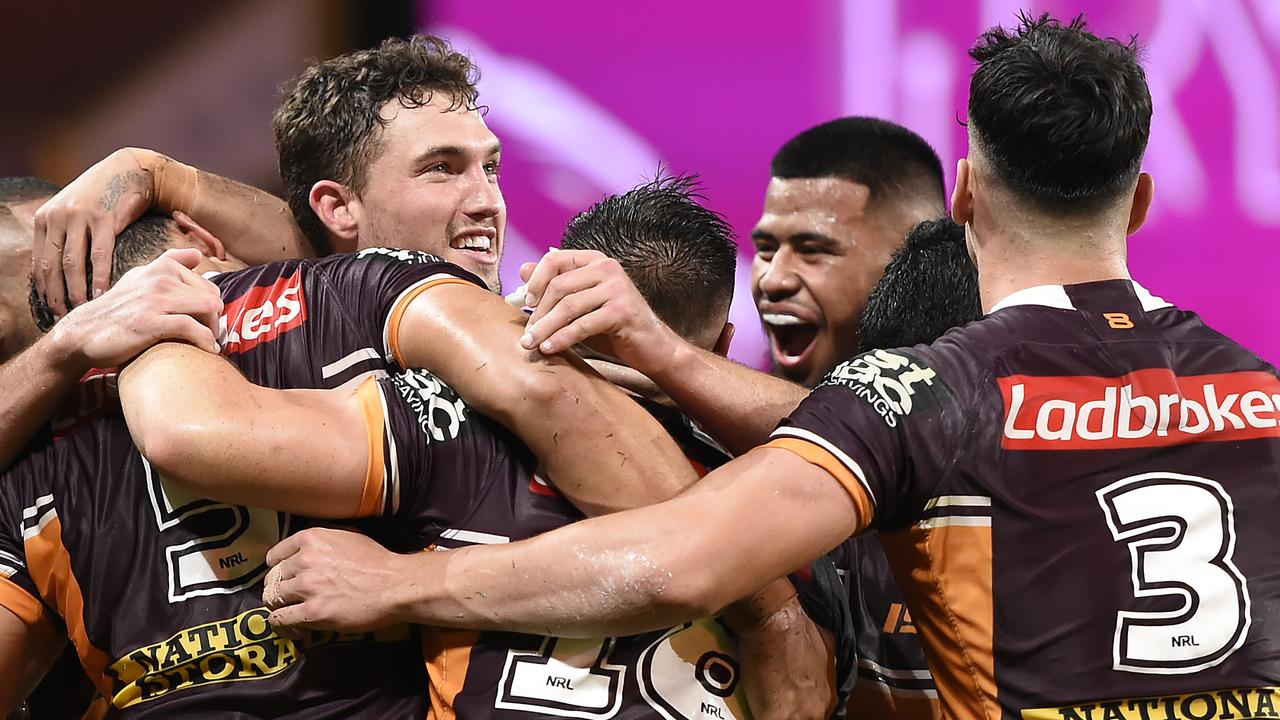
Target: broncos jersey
{"x": 463, "y": 480}
{"x": 160, "y": 591}
{"x": 1079, "y": 494}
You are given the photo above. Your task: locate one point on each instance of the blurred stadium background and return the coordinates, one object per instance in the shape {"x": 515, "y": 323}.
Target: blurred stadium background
{"x": 590, "y": 98}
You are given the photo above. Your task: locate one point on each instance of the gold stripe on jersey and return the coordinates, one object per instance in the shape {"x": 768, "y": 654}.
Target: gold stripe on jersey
{"x": 1237, "y": 704}
{"x": 815, "y": 454}
{"x": 398, "y": 312}
{"x": 20, "y": 602}
{"x": 448, "y": 655}
{"x": 49, "y": 565}
{"x": 374, "y": 493}
{"x": 945, "y": 576}
{"x": 244, "y": 647}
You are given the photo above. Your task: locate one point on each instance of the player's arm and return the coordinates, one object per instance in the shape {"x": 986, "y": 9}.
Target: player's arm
{"x": 27, "y": 651}
{"x": 308, "y": 451}
{"x": 578, "y": 294}
{"x": 743, "y": 525}
{"x": 161, "y": 300}
{"x": 81, "y": 222}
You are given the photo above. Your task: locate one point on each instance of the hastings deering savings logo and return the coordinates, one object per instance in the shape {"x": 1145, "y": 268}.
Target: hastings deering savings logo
{"x": 243, "y": 647}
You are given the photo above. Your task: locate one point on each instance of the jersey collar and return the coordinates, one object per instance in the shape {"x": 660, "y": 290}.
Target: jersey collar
{"x": 1055, "y": 296}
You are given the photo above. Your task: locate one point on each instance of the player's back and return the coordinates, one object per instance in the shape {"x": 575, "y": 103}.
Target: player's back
{"x": 160, "y": 593}
{"x": 464, "y": 480}
{"x": 1082, "y": 487}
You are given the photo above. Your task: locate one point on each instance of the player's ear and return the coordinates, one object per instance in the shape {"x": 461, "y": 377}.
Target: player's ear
{"x": 1142, "y": 196}
{"x": 723, "y": 342}
{"x": 340, "y": 211}
{"x": 198, "y": 237}
{"x": 962, "y": 195}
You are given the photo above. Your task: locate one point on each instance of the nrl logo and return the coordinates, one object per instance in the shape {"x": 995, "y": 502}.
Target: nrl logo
{"x": 893, "y": 384}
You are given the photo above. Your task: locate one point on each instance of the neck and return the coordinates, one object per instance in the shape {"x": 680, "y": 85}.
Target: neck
{"x": 1054, "y": 253}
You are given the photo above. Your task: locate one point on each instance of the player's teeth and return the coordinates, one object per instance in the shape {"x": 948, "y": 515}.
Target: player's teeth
{"x": 474, "y": 242}
{"x": 779, "y": 319}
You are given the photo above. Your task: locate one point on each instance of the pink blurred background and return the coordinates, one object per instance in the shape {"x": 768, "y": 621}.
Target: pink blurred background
{"x": 590, "y": 97}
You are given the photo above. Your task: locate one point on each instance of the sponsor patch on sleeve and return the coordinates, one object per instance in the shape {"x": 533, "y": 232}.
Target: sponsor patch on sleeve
{"x": 408, "y": 257}
{"x": 894, "y": 383}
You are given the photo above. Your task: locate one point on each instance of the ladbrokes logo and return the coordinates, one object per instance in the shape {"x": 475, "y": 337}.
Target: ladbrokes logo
{"x": 1147, "y": 408}
{"x": 263, "y": 314}
{"x": 239, "y": 648}
{"x": 893, "y": 383}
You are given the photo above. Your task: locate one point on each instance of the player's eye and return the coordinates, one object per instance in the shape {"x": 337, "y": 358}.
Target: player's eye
{"x": 492, "y": 168}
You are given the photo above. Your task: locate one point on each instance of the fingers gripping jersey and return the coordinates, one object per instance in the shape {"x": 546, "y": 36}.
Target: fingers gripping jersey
{"x": 465, "y": 481}
{"x": 160, "y": 592}
{"x": 1079, "y": 492}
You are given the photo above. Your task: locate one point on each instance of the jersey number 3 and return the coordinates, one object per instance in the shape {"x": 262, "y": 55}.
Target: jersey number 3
{"x": 1180, "y": 530}
{"x": 211, "y": 548}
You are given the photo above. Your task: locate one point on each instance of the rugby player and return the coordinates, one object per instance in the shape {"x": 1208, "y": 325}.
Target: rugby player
{"x": 162, "y": 603}
{"x": 462, "y": 482}
{"x": 19, "y": 199}
{"x": 1077, "y": 491}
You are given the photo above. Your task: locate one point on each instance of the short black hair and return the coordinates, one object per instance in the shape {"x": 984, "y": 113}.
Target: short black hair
{"x": 24, "y": 188}
{"x": 929, "y": 286}
{"x": 681, "y": 255}
{"x": 144, "y": 240}
{"x": 1062, "y": 115}
{"x": 886, "y": 157}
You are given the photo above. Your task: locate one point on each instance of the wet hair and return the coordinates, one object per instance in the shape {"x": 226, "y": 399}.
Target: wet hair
{"x": 680, "y": 255}
{"x": 20, "y": 189}
{"x": 889, "y": 159}
{"x": 1062, "y": 115}
{"x": 929, "y": 286}
{"x": 144, "y": 240}
{"x": 329, "y": 124}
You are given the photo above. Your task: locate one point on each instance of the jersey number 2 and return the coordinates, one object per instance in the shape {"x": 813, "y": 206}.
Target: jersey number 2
{"x": 220, "y": 548}
{"x": 1180, "y": 530}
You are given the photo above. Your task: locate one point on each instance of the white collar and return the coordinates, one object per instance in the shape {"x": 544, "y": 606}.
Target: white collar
{"x": 1055, "y": 296}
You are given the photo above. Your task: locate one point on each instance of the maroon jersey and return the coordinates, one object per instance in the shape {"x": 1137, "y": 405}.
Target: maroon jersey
{"x": 465, "y": 480}
{"x": 160, "y": 591}
{"x": 1079, "y": 494}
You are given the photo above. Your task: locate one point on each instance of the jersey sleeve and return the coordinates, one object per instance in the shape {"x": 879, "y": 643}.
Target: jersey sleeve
{"x": 378, "y": 284}
{"x": 884, "y": 425}
{"x": 18, "y": 591}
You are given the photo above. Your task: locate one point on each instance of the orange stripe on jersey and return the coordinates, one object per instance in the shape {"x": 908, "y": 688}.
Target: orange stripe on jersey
{"x": 397, "y": 312}
{"x": 49, "y": 564}
{"x": 818, "y": 455}
{"x": 945, "y": 576}
{"x": 373, "y": 495}
{"x": 448, "y": 655}
{"x": 18, "y": 601}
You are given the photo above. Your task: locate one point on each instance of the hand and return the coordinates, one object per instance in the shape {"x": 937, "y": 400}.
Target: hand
{"x": 331, "y": 580}
{"x": 162, "y": 300}
{"x": 82, "y": 221}
{"x": 579, "y": 294}
{"x": 788, "y": 665}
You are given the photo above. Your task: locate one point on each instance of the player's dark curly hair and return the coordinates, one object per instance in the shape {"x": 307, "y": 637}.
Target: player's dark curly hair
{"x": 329, "y": 124}
{"x": 929, "y": 287}
{"x": 680, "y": 255}
{"x": 20, "y": 189}
{"x": 1062, "y": 115}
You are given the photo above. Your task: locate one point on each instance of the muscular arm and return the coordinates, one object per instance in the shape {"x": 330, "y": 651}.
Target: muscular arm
{"x": 202, "y": 424}
{"x": 581, "y": 294}
{"x": 743, "y": 525}
{"x": 81, "y": 222}
{"x": 26, "y": 654}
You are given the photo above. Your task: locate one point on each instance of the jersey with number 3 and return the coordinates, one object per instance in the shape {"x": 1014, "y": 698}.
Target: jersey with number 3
{"x": 161, "y": 591}
{"x": 1080, "y": 492}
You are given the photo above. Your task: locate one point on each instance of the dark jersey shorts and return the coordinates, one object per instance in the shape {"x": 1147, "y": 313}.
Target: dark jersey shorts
{"x": 1079, "y": 494}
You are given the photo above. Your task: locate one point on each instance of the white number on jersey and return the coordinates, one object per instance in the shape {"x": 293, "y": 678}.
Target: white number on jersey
{"x": 1180, "y": 531}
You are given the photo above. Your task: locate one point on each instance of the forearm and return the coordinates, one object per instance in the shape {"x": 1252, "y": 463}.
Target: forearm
{"x": 34, "y": 382}
{"x": 641, "y": 570}
{"x": 735, "y": 404}
{"x": 255, "y": 225}
{"x": 205, "y": 427}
